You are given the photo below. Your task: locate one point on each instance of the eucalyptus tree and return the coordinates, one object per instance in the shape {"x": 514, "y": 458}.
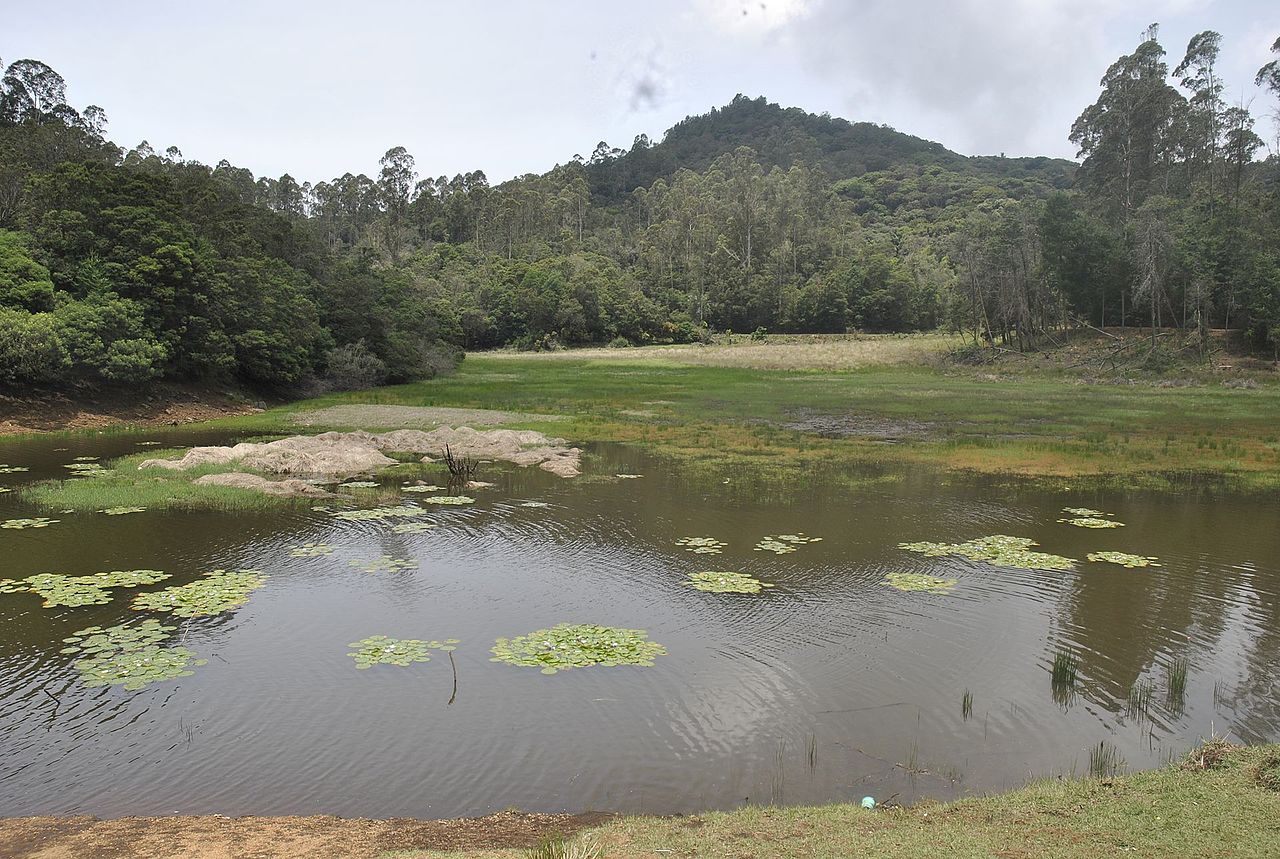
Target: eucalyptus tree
{"x": 1198, "y": 73}
{"x": 395, "y": 184}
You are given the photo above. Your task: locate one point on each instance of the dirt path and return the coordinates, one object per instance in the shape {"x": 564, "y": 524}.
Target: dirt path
{"x": 158, "y": 405}
{"x": 324, "y": 837}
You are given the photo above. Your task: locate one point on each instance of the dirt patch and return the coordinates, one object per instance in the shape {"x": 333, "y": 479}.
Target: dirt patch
{"x": 322, "y": 837}
{"x": 285, "y": 488}
{"x": 160, "y": 405}
{"x": 338, "y": 454}
{"x": 861, "y": 426}
{"x": 384, "y": 417}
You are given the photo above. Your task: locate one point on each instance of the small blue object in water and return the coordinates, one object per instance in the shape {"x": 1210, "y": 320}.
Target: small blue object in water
{"x": 868, "y": 802}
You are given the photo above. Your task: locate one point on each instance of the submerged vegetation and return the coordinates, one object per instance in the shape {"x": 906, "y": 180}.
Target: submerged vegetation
{"x": 999, "y": 549}
{"x": 19, "y": 524}
{"x": 726, "y": 583}
{"x": 129, "y": 655}
{"x": 375, "y": 513}
{"x": 1092, "y": 522}
{"x": 386, "y": 564}
{"x": 310, "y": 550}
{"x": 568, "y": 645}
{"x": 219, "y": 591}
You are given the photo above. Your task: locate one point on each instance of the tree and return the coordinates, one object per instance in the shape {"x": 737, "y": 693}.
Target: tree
{"x": 395, "y": 183}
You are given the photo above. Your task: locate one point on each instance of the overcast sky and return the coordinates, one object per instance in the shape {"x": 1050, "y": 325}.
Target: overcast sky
{"x": 319, "y": 88}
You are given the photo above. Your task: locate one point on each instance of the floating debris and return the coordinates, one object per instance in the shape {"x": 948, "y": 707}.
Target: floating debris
{"x": 999, "y": 549}
{"x": 726, "y": 583}
{"x": 702, "y": 545}
{"x": 358, "y": 484}
{"x": 122, "y": 511}
{"x": 129, "y": 655}
{"x": 379, "y": 513}
{"x": 1092, "y": 522}
{"x": 38, "y": 522}
{"x": 311, "y": 550}
{"x": 919, "y": 583}
{"x": 12, "y": 469}
{"x": 451, "y": 500}
{"x": 72, "y": 591}
{"x": 381, "y": 650}
{"x": 1123, "y": 559}
{"x": 412, "y": 527}
{"x": 568, "y": 645}
{"x": 146, "y": 443}
{"x": 4, "y": 489}
{"x": 217, "y": 592}
{"x": 422, "y": 487}
{"x": 386, "y": 564}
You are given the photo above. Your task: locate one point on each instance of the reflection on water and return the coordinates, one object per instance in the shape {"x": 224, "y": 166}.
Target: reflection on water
{"x": 828, "y": 686}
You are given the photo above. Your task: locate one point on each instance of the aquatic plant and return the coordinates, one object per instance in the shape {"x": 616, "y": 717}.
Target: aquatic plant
{"x": 1139, "y": 699}
{"x": 768, "y": 544}
{"x": 918, "y": 582}
{"x": 61, "y": 590}
{"x": 121, "y": 511}
{"x": 1092, "y": 522}
{"x": 4, "y": 489}
{"x": 358, "y": 484}
{"x": 726, "y": 583}
{"x": 1105, "y": 761}
{"x": 381, "y": 650}
{"x": 999, "y": 549}
{"x": 422, "y": 487}
{"x": 1175, "y": 675}
{"x": 1123, "y": 559}
{"x": 701, "y": 545}
{"x": 966, "y": 705}
{"x": 452, "y": 500}
{"x": 146, "y": 443}
{"x": 1084, "y": 511}
{"x": 1063, "y": 676}
{"x": 534, "y": 504}
{"x": 379, "y": 513}
{"x": 129, "y": 655}
{"x": 386, "y": 564}
{"x": 799, "y": 539}
{"x": 413, "y": 527}
{"x": 38, "y": 522}
{"x": 628, "y": 476}
{"x": 310, "y": 550}
{"x": 567, "y": 645}
{"x": 87, "y": 458}
{"x": 218, "y": 591}
{"x": 12, "y": 469}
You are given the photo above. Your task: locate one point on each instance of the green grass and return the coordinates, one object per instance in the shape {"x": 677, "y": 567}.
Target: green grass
{"x": 1230, "y": 809}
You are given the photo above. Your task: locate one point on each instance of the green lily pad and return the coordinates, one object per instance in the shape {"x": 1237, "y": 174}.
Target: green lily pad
{"x": 726, "y": 583}
{"x": 386, "y": 564}
{"x": 12, "y": 469}
{"x": 451, "y": 500}
{"x": 358, "y": 484}
{"x": 1084, "y": 511}
{"x": 412, "y": 527}
{"x": 999, "y": 549}
{"x": 702, "y": 545}
{"x": 1092, "y": 522}
{"x": 38, "y": 522}
{"x": 219, "y": 591}
{"x": 422, "y": 487}
{"x": 534, "y": 504}
{"x": 1123, "y": 559}
{"x": 311, "y": 550}
{"x": 628, "y": 476}
{"x": 916, "y": 582}
{"x": 402, "y": 511}
{"x": 121, "y": 511}
{"x": 129, "y": 655}
{"x": 567, "y": 645}
{"x": 381, "y": 650}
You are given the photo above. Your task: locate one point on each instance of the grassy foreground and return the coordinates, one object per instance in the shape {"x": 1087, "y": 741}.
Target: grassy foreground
{"x": 1229, "y": 808}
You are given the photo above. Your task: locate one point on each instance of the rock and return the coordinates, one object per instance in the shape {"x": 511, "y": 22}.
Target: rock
{"x": 242, "y": 480}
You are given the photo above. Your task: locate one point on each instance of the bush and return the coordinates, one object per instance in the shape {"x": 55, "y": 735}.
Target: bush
{"x": 31, "y": 353}
{"x": 353, "y": 368}
{"x": 619, "y": 343}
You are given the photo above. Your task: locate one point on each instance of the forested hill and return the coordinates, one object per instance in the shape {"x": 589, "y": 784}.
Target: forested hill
{"x": 783, "y": 137}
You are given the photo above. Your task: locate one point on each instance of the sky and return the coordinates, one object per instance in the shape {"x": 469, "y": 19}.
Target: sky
{"x": 320, "y": 88}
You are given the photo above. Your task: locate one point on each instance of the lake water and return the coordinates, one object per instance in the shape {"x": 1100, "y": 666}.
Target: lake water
{"x": 830, "y": 686}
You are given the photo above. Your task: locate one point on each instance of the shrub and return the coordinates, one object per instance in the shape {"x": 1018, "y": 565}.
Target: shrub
{"x": 353, "y": 367}
{"x": 31, "y": 352}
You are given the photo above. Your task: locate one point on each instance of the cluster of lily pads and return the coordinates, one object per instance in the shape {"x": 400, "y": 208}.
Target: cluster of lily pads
{"x": 381, "y": 650}
{"x": 311, "y": 550}
{"x": 358, "y": 484}
{"x": 412, "y": 527}
{"x": 568, "y": 645}
{"x": 375, "y": 513}
{"x": 1124, "y": 559}
{"x": 783, "y": 544}
{"x": 61, "y": 590}
{"x": 129, "y": 655}
{"x": 12, "y": 469}
{"x": 386, "y": 564}
{"x": 999, "y": 549}
{"x": 702, "y": 545}
{"x": 87, "y": 469}
{"x": 217, "y": 592}
{"x": 422, "y": 487}
{"x": 37, "y": 522}
{"x": 919, "y": 583}
{"x": 726, "y": 583}
{"x": 449, "y": 500}
{"x": 122, "y": 511}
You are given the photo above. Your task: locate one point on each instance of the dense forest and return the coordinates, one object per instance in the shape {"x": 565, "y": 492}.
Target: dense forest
{"x": 125, "y": 266}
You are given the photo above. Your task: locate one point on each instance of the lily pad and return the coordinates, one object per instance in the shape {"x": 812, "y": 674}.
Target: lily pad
{"x": 628, "y": 476}
{"x": 311, "y": 550}
{"x": 1092, "y": 522}
{"x": 917, "y": 582}
{"x": 1124, "y": 559}
{"x": 381, "y": 650}
{"x": 568, "y": 645}
{"x": 534, "y": 504}
{"x": 701, "y": 545}
{"x": 1084, "y": 511}
{"x": 87, "y": 458}
{"x": 122, "y": 511}
{"x": 217, "y": 592}
{"x": 412, "y": 527}
{"x": 451, "y": 500}
{"x": 403, "y": 511}
{"x": 59, "y": 590}
{"x": 422, "y": 487}
{"x": 12, "y": 469}
{"x": 129, "y": 655}
{"x": 358, "y": 484}
{"x": 726, "y": 583}
{"x": 999, "y": 549}
{"x": 386, "y": 564}
{"x": 38, "y": 522}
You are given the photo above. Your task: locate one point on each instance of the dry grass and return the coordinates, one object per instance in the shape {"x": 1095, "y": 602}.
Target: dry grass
{"x": 793, "y": 352}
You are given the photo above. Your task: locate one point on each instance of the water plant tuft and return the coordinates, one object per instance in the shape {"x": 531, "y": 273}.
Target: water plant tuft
{"x": 1105, "y": 761}
{"x": 1063, "y": 676}
{"x": 1124, "y": 559}
{"x": 917, "y": 582}
{"x": 218, "y": 592}
{"x": 999, "y": 549}
{"x": 568, "y": 645}
{"x": 381, "y": 650}
{"x": 702, "y": 545}
{"x": 1175, "y": 675}
{"x": 726, "y": 583}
